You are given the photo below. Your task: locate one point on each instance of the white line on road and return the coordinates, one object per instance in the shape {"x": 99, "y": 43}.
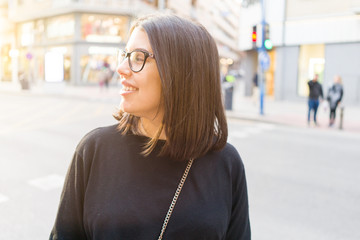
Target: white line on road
{"x": 266, "y": 126}
{"x": 47, "y": 183}
{"x": 238, "y": 134}
{"x": 3, "y": 198}
{"x": 253, "y": 130}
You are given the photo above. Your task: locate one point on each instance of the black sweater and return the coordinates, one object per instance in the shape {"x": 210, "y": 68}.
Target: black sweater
{"x": 315, "y": 90}
{"x": 112, "y": 192}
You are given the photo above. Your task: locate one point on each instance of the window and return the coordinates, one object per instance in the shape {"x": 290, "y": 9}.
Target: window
{"x": 104, "y": 28}
{"x": 60, "y": 28}
{"x": 311, "y": 62}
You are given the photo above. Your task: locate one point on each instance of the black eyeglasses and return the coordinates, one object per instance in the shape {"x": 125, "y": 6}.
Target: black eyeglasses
{"x": 136, "y": 58}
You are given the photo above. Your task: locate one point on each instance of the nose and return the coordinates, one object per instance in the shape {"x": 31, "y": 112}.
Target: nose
{"x": 123, "y": 68}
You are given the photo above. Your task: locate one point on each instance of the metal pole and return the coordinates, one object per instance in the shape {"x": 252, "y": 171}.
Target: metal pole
{"x": 262, "y": 48}
{"x": 341, "y": 117}
{"x": 161, "y": 5}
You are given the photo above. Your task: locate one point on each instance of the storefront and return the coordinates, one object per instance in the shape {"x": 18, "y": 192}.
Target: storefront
{"x": 72, "y": 48}
{"x": 311, "y": 62}
{"x": 6, "y": 63}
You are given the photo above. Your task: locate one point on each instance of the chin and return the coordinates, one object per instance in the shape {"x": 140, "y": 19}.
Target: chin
{"x": 124, "y": 108}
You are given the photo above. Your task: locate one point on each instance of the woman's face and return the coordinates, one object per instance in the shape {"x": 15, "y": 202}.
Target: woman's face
{"x": 141, "y": 91}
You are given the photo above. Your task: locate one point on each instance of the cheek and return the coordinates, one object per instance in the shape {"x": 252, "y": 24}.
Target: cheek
{"x": 154, "y": 89}
{"x": 152, "y": 94}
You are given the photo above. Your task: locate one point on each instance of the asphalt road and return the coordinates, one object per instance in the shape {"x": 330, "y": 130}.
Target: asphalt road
{"x": 303, "y": 182}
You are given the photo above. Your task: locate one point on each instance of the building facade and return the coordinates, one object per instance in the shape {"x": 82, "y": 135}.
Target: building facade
{"x": 69, "y": 41}
{"x": 7, "y": 40}
{"x": 309, "y": 37}
{"x": 72, "y": 41}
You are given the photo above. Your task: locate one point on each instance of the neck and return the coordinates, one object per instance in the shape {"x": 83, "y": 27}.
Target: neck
{"x": 149, "y": 128}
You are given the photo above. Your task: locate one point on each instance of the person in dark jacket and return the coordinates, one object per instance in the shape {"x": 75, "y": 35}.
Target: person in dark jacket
{"x": 315, "y": 93}
{"x": 335, "y": 95}
{"x": 165, "y": 170}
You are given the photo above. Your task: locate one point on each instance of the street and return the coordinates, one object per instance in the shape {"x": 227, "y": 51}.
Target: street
{"x": 302, "y": 182}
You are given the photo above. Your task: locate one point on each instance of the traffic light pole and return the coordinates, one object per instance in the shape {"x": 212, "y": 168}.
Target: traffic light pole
{"x": 261, "y": 50}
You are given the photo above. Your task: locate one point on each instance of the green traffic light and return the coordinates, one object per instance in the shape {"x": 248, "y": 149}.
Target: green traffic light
{"x": 268, "y": 44}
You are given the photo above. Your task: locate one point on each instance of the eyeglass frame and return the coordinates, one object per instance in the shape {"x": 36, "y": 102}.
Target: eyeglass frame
{"x": 127, "y": 55}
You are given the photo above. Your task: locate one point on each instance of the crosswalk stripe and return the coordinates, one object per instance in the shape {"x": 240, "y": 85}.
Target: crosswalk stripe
{"x": 266, "y": 126}
{"x": 247, "y": 131}
{"x": 3, "y": 198}
{"x": 239, "y": 134}
{"x": 253, "y": 130}
{"x": 47, "y": 183}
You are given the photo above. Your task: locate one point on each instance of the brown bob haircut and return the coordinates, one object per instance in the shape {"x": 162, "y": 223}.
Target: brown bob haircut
{"x": 188, "y": 62}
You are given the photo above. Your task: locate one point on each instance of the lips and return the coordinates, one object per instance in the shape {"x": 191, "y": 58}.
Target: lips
{"x": 127, "y": 88}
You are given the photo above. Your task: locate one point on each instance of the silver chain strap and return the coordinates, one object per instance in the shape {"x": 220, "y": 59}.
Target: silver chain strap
{"x": 177, "y": 193}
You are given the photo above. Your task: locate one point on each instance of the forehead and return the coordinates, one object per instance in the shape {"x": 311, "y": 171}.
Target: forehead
{"x": 138, "y": 40}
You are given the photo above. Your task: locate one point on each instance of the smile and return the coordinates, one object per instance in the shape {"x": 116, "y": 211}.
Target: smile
{"x": 127, "y": 90}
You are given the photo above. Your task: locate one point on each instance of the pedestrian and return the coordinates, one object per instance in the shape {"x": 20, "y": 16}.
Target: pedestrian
{"x": 315, "y": 92}
{"x": 255, "y": 93}
{"x": 165, "y": 170}
{"x": 334, "y": 98}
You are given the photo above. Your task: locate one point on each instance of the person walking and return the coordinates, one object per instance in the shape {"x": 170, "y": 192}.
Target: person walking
{"x": 315, "y": 92}
{"x": 335, "y": 95}
{"x": 165, "y": 170}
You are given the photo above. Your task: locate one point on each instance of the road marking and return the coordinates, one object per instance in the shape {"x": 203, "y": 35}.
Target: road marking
{"x": 70, "y": 113}
{"x": 238, "y": 134}
{"x": 266, "y": 126}
{"x": 253, "y": 130}
{"x": 246, "y": 132}
{"x": 23, "y": 123}
{"x": 3, "y": 198}
{"x": 47, "y": 183}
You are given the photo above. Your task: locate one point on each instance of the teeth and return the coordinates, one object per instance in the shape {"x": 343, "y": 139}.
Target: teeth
{"x": 129, "y": 89}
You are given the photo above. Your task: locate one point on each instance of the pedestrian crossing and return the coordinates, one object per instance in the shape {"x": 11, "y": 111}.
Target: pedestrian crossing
{"x": 251, "y": 130}
{"x": 29, "y": 114}
{"x": 26, "y": 122}
{"x": 56, "y": 181}
{"x": 20, "y": 115}
{"x": 3, "y": 198}
{"x": 45, "y": 183}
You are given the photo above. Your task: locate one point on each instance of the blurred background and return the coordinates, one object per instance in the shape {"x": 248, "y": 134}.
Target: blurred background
{"x": 58, "y": 81}
{"x": 70, "y": 42}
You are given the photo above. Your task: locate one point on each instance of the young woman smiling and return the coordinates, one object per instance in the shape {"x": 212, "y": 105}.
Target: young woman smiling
{"x": 165, "y": 171}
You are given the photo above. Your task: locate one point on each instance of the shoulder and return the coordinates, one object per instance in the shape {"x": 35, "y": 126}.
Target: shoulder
{"x": 109, "y": 139}
{"x": 98, "y": 137}
{"x": 227, "y": 159}
{"x": 99, "y": 133}
{"x": 230, "y": 152}
{"x": 232, "y": 157}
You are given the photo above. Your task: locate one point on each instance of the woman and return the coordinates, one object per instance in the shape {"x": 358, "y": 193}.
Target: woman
{"x": 335, "y": 95}
{"x": 165, "y": 171}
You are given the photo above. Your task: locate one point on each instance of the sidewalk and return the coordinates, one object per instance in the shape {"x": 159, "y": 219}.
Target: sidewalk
{"x": 276, "y": 112}
{"x": 295, "y": 114}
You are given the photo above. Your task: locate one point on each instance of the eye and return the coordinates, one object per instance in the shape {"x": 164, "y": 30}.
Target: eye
{"x": 137, "y": 57}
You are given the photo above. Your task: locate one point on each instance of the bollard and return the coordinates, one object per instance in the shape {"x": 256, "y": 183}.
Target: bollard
{"x": 341, "y": 118}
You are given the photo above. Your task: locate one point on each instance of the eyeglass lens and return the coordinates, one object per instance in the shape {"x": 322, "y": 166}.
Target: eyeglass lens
{"x": 136, "y": 59}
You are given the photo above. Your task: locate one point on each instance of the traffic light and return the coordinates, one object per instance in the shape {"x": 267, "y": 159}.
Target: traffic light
{"x": 254, "y": 36}
{"x": 267, "y": 42}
